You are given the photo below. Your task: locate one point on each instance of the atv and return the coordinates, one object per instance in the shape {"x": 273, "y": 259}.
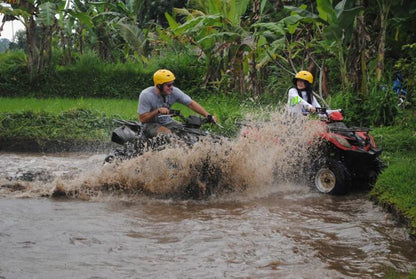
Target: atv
{"x": 134, "y": 142}
{"x": 348, "y": 157}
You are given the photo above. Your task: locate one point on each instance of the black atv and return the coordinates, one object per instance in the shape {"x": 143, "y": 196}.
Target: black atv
{"x": 134, "y": 142}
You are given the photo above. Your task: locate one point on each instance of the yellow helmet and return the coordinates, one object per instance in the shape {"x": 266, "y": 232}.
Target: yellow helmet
{"x": 163, "y": 76}
{"x": 304, "y": 75}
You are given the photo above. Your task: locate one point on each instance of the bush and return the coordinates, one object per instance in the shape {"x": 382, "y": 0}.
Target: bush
{"x": 14, "y": 77}
{"x": 379, "y": 108}
{"x": 407, "y": 67}
{"x": 88, "y": 76}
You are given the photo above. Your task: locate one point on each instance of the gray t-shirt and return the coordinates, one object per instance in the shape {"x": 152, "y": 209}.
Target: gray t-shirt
{"x": 149, "y": 100}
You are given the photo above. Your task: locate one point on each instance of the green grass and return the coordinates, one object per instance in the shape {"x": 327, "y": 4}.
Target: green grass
{"x": 78, "y": 124}
{"x": 122, "y": 107}
{"x": 226, "y": 109}
{"x": 89, "y": 119}
{"x": 397, "y": 185}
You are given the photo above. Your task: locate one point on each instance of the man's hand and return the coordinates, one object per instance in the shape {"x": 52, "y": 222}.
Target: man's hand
{"x": 163, "y": 110}
{"x": 211, "y": 119}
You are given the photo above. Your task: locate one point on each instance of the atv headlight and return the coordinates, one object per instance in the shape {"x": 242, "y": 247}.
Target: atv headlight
{"x": 341, "y": 140}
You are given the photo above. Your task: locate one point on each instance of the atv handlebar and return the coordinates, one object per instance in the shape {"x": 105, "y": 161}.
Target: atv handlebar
{"x": 191, "y": 118}
{"x": 321, "y": 110}
{"x": 326, "y": 111}
{"x": 175, "y": 112}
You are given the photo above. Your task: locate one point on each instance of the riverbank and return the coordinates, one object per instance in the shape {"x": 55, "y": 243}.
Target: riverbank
{"x": 395, "y": 189}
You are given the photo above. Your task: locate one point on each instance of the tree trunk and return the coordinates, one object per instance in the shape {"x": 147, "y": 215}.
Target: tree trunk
{"x": 254, "y": 81}
{"x": 384, "y": 8}
{"x": 45, "y": 52}
{"x": 32, "y": 53}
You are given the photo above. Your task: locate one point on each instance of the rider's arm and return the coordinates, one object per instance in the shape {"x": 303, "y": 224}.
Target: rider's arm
{"x": 294, "y": 100}
{"x": 148, "y": 116}
{"x": 193, "y": 105}
{"x": 315, "y": 102}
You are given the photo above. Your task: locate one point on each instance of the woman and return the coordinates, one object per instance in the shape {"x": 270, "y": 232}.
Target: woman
{"x": 300, "y": 98}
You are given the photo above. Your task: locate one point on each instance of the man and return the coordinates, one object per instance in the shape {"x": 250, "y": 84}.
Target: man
{"x": 155, "y": 102}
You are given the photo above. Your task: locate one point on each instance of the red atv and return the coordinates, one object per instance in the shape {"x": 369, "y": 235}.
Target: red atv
{"x": 349, "y": 157}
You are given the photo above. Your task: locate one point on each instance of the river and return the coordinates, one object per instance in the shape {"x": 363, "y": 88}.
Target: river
{"x": 279, "y": 231}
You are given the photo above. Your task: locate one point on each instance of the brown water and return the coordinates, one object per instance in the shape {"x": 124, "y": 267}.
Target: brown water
{"x": 127, "y": 221}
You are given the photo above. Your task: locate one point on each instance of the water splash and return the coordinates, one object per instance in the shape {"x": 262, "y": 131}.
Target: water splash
{"x": 269, "y": 154}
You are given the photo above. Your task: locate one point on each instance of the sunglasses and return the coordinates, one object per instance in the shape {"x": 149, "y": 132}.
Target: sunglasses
{"x": 169, "y": 84}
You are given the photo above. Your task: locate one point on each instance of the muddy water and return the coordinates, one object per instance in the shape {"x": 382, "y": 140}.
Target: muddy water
{"x": 68, "y": 216}
{"x": 291, "y": 232}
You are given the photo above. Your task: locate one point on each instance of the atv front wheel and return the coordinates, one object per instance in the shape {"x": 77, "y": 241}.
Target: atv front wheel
{"x": 332, "y": 177}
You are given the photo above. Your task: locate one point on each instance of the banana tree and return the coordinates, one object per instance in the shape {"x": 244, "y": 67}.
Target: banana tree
{"x": 48, "y": 22}
{"x": 222, "y": 35}
{"x": 384, "y": 8}
{"x": 36, "y": 14}
{"x": 336, "y": 24}
{"x": 292, "y": 44}
{"x": 123, "y": 18}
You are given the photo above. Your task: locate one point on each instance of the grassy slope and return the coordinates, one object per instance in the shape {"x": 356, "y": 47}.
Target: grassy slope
{"x": 396, "y": 186}
{"x": 123, "y": 107}
{"x": 89, "y": 119}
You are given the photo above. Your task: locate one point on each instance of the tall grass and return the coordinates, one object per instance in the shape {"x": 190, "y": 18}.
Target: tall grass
{"x": 397, "y": 186}
{"x": 125, "y": 108}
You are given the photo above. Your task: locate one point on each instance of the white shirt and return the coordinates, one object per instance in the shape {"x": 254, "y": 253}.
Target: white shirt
{"x": 299, "y": 105}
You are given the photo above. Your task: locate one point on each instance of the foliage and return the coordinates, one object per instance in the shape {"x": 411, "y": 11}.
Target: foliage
{"x": 95, "y": 78}
{"x": 219, "y": 31}
{"x": 407, "y": 67}
{"x": 13, "y": 72}
{"x": 188, "y": 71}
{"x": 379, "y": 108}
{"x": 43, "y": 126}
{"x": 250, "y": 47}
{"x": 4, "y": 45}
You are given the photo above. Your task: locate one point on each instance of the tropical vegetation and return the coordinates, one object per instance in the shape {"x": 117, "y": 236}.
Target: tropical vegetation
{"x": 240, "y": 51}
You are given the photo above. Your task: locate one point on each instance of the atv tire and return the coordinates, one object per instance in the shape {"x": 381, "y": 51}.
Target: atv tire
{"x": 331, "y": 177}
